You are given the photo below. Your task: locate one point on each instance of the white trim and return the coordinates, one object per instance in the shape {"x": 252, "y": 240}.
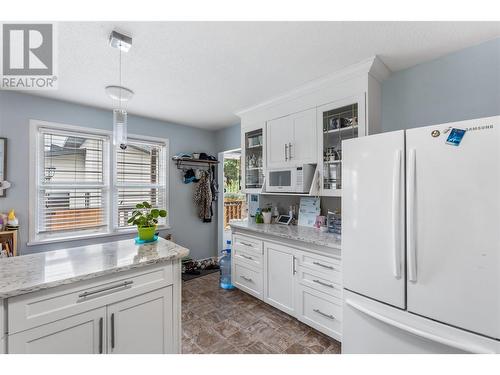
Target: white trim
{"x": 109, "y": 185}
{"x": 87, "y": 236}
{"x": 379, "y": 71}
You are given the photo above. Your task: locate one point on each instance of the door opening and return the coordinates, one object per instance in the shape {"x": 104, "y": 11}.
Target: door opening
{"x": 232, "y": 204}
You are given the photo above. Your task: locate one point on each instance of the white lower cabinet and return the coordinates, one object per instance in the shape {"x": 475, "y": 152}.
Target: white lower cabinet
{"x": 247, "y": 278}
{"x": 133, "y": 313}
{"x": 279, "y": 275}
{"x": 320, "y": 311}
{"x": 305, "y": 284}
{"x": 80, "y": 334}
{"x": 130, "y": 333}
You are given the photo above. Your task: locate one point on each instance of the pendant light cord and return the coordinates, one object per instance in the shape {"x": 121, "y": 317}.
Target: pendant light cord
{"x": 120, "y": 78}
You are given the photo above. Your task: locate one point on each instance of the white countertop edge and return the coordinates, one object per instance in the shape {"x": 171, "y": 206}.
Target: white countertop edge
{"x": 336, "y": 245}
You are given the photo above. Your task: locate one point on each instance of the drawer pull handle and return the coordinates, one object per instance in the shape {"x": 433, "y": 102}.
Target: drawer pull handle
{"x": 324, "y": 284}
{"x": 323, "y": 265}
{"x": 97, "y": 291}
{"x": 246, "y": 256}
{"x": 246, "y": 278}
{"x": 325, "y": 315}
{"x": 246, "y": 244}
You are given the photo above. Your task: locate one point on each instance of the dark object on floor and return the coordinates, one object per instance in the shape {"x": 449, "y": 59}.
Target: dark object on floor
{"x": 191, "y": 275}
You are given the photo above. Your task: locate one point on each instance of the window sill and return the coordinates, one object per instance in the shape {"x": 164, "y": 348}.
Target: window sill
{"x": 90, "y": 236}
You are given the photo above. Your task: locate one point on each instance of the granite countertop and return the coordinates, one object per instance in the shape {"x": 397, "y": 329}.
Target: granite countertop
{"x": 292, "y": 232}
{"x": 29, "y": 273}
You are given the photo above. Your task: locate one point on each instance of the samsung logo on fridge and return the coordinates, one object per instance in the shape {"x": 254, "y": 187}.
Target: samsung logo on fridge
{"x": 482, "y": 127}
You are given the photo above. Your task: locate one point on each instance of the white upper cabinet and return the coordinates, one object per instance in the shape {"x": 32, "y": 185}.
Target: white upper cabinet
{"x": 303, "y": 148}
{"x": 294, "y": 122}
{"x": 279, "y": 137}
{"x": 337, "y": 121}
{"x": 253, "y": 157}
{"x": 291, "y": 140}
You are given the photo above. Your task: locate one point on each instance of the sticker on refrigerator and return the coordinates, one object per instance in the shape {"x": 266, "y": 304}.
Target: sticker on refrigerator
{"x": 455, "y": 137}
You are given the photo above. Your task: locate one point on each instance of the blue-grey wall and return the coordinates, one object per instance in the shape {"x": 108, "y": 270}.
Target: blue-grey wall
{"x": 17, "y": 109}
{"x": 460, "y": 86}
{"x": 228, "y": 138}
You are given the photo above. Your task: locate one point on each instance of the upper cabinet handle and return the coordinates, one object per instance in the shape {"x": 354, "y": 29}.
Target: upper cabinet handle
{"x": 286, "y": 152}
{"x": 289, "y": 151}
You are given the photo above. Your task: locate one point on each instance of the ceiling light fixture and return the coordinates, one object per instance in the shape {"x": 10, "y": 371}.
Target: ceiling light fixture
{"x": 118, "y": 92}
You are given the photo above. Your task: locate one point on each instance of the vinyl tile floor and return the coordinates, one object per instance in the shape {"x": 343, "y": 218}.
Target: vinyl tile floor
{"x": 221, "y": 321}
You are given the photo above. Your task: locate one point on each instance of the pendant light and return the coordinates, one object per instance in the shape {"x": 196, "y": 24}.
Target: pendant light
{"x": 120, "y": 93}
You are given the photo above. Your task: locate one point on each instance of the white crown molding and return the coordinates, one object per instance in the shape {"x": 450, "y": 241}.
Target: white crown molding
{"x": 372, "y": 66}
{"x": 379, "y": 70}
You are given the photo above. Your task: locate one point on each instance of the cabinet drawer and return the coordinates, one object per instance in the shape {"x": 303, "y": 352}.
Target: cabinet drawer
{"x": 247, "y": 256}
{"x": 37, "y": 308}
{"x": 330, "y": 267}
{"x": 320, "y": 311}
{"x": 320, "y": 281}
{"x": 247, "y": 279}
{"x": 248, "y": 244}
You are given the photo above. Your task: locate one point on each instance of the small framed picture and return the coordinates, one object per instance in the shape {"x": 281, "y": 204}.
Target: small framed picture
{"x": 3, "y": 164}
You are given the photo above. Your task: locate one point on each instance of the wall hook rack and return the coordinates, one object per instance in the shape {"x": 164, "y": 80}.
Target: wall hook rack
{"x": 194, "y": 163}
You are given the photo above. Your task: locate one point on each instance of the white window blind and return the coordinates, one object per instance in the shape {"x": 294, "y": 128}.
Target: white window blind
{"x": 78, "y": 192}
{"x": 140, "y": 176}
{"x": 71, "y": 185}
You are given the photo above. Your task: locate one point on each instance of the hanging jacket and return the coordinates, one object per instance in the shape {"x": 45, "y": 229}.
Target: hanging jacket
{"x": 203, "y": 198}
{"x": 214, "y": 184}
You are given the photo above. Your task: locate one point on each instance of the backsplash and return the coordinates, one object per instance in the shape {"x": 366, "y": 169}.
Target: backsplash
{"x": 285, "y": 201}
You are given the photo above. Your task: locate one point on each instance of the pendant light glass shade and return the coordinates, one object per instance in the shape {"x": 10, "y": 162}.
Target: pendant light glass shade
{"x": 120, "y": 128}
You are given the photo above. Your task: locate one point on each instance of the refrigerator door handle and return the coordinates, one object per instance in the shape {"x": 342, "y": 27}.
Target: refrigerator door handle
{"x": 471, "y": 348}
{"x": 412, "y": 256}
{"x": 396, "y": 209}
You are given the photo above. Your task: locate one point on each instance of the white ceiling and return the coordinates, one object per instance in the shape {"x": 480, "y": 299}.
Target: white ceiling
{"x": 201, "y": 73}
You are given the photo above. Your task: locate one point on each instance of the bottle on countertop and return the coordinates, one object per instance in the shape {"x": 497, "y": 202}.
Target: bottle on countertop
{"x": 259, "y": 218}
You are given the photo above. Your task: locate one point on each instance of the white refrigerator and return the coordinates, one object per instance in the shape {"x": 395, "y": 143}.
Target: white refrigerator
{"x": 421, "y": 240}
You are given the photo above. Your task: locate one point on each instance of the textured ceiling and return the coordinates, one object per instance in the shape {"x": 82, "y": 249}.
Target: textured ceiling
{"x": 201, "y": 73}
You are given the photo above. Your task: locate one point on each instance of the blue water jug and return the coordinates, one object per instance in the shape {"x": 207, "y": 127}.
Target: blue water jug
{"x": 225, "y": 267}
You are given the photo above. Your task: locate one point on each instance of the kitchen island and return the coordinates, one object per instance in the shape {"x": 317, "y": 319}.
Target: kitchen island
{"x": 115, "y": 297}
{"x": 293, "y": 268}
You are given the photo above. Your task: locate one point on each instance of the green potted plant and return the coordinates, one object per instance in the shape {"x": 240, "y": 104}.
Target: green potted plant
{"x": 145, "y": 217}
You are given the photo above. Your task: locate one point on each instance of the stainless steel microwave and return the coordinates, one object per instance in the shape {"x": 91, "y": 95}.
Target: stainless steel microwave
{"x": 290, "y": 179}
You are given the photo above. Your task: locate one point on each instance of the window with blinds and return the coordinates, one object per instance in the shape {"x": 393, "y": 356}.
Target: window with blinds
{"x": 79, "y": 192}
{"x": 140, "y": 176}
{"x": 71, "y": 183}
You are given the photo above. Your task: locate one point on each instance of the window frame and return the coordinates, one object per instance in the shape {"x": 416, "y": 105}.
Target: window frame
{"x": 115, "y": 185}
{"x": 109, "y": 186}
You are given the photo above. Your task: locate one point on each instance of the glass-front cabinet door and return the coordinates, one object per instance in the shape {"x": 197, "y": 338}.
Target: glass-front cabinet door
{"x": 341, "y": 120}
{"x": 253, "y": 153}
